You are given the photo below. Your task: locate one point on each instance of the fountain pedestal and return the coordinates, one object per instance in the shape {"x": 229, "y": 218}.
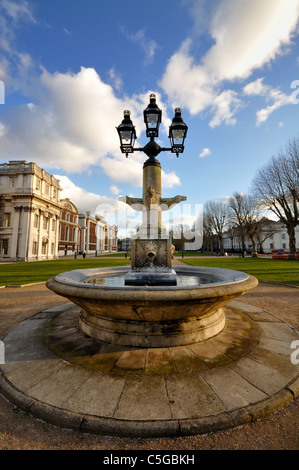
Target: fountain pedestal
{"x": 151, "y": 250}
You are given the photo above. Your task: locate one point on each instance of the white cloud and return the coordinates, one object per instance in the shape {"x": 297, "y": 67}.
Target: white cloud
{"x": 225, "y": 106}
{"x": 274, "y": 95}
{"x": 71, "y": 126}
{"x": 247, "y": 36}
{"x": 84, "y": 200}
{"x": 15, "y": 65}
{"x": 17, "y": 11}
{"x": 169, "y": 180}
{"x": 114, "y": 189}
{"x": 205, "y": 152}
{"x": 149, "y": 46}
{"x": 115, "y": 79}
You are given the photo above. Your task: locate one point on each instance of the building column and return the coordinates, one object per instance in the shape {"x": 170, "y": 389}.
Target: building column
{"x": 15, "y": 233}
{"x": 39, "y": 240}
{"x": 29, "y": 233}
{"x": 87, "y": 236}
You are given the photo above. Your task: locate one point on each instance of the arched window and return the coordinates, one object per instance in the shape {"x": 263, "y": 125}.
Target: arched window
{"x": 66, "y": 237}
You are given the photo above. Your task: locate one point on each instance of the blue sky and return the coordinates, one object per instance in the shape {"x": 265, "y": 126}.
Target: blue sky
{"x": 70, "y": 68}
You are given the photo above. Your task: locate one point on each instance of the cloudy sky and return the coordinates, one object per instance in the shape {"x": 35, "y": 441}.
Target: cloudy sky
{"x": 69, "y": 69}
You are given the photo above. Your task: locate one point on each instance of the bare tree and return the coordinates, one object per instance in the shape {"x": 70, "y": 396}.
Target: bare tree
{"x": 246, "y": 217}
{"x": 276, "y": 186}
{"x": 267, "y": 228}
{"x": 235, "y": 205}
{"x": 208, "y": 237}
{"x": 232, "y": 233}
{"x": 216, "y": 217}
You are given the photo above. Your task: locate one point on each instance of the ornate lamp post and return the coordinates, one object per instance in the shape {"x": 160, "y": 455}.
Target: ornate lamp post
{"x": 152, "y": 118}
{"x": 152, "y": 247}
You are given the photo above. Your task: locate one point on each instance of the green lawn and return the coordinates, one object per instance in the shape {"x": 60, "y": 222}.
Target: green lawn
{"x": 265, "y": 270}
{"x": 25, "y": 273}
{"x": 192, "y": 253}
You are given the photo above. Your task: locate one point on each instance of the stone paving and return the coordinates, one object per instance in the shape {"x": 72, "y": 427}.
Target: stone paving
{"x": 59, "y": 375}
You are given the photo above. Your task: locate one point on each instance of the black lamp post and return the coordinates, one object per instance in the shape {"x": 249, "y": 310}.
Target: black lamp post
{"x": 127, "y": 134}
{"x": 152, "y": 118}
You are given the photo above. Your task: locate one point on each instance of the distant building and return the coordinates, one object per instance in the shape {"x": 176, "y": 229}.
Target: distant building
{"x": 279, "y": 240}
{"x": 88, "y": 224}
{"x": 29, "y": 212}
{"x": 126, "y": 244}
{"x": 96, "y": 235}
{"x": 69, "y": 229}
{"x": 112, "y": 238}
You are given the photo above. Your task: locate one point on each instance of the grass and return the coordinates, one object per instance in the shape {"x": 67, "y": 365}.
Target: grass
{"x": 193, "y": 253}
{"x": 12, "y": 274}
{"x": 265, "y": 270}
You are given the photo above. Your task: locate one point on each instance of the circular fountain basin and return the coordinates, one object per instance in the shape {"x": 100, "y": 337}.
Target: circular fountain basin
{"x": 152, "y": 316}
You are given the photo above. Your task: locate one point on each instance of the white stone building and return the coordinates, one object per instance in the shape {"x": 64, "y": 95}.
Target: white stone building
{"x": 278, "y": 241}
{"x": 29, "y": 212}
{"x": 36, "y": 225}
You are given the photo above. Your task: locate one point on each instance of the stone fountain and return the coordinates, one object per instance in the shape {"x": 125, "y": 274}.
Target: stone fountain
{"x": 152, "y": 304}
{"x": 150, "y": 349}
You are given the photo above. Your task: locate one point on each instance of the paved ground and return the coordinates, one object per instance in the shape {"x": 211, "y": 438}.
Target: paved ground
{"x": 21, "y": 431}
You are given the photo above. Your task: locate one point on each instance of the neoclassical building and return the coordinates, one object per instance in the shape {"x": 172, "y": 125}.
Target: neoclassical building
{"x": 36, "y": 225}
{"x": 69, "y": 229}
{"x": 29, "y": 212}
{"x": 96, "y": 235}
{"x": 278, "y": 239}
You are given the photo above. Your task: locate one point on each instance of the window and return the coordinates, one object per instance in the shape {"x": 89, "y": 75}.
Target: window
{"x": 35, "y": 221}
{"x": 7, "y": 220}
{"x": 74, "y": 234}
{"x": 4, "y": 247}
{"x": 284, "y": 246}
{"x": 53, "y": 225}
{"x": 54, "y": 192}
{"x": 67, "y": 218}
{"x": 44, "y": 248}
{"x": 283, "y": 236}
{"x": 34, "y": 248}
{"x": 37, "y": 184}
{"x": 12, "y": 182}
{"x": 66, "y": 237}
{"x": 45, "y": 223}
{"x": 75, "y": 220}
{"x": 47, "y": 189}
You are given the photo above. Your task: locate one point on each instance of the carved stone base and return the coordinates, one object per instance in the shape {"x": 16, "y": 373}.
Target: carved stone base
{"x": 150, "y": 254}
{"x": 152, "y": 334}
{"x": 151, "y": 263}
